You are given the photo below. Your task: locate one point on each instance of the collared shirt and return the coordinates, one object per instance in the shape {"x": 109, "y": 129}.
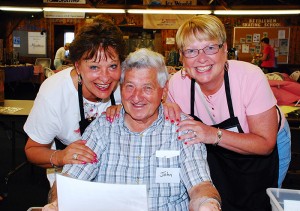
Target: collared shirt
{"x": 127, "y": 157}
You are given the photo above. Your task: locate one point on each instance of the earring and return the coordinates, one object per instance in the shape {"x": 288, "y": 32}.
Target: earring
{"x": 79, "y": 79}
{"x": 183, "y": 73}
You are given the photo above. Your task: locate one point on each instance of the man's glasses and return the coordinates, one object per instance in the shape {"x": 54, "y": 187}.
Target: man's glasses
{"x": 208, "y": 50}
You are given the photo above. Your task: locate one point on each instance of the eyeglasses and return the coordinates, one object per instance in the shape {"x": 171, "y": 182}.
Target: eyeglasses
{"x": 208, "y": 50}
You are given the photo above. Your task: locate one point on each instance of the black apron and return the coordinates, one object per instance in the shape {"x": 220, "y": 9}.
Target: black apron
{"x": 83, "y": 122}
{"x": 241, "y": 180}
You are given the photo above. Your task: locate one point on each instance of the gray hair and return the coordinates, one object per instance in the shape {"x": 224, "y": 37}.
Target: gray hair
{"x": 145, "y": 58}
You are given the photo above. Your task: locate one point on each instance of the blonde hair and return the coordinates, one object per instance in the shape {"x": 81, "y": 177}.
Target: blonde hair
{"x": 201, "y": 27}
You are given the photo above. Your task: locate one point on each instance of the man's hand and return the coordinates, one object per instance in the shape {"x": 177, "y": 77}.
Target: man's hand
{"x": 204, "y": 197}
{"x": 51, "y": 207}
{"x": 205, "y": 204}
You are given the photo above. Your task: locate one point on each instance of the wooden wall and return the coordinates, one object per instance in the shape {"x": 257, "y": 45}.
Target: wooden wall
{"x": 40, "y": 23}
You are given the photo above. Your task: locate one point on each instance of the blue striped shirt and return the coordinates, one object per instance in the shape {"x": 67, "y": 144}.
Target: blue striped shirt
{"x": 127, "y": 157}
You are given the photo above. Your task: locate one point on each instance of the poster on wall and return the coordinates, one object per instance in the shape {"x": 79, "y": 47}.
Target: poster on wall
{"x": 256, "y": 37}
{"x": 36, "y": 43}
{"x": 17, "y": 42}
{"x": 283, "y": 47}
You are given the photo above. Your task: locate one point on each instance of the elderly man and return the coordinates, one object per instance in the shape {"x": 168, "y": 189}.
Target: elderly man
{"x": 127, "y": 147}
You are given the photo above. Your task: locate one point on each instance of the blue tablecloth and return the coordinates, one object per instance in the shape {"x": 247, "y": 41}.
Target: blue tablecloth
{"x": 17, "y": 73}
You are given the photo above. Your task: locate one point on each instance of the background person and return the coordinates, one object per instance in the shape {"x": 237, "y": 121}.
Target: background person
{"x": 140, "y": 132}
{"x": 69, "y": 100}
{"x": 268, "y": 62}
{"x": 234, "y": 114}
{"x": 60, "y": 56}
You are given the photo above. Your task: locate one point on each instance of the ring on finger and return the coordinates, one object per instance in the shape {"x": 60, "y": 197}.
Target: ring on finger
{"x": 195, "y": 134}
{"x": 75, "y": 156}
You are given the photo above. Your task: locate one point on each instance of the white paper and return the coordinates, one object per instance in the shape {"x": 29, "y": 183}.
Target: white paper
{"x": 79, "y": 195}
{"x": 281, "y": 34}
{"x": 167, "y": 153}
{"x": 167, "y": 175}
{"x": 291, "y": 205}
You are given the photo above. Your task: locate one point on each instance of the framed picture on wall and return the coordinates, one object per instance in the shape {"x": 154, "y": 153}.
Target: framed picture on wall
{"x": 36, "y": 43}
{"x": 283, "y": 47}
{"x": 256, "y": 37}
{"x": 265, "y": 34}
{"x": 248, "y": 38}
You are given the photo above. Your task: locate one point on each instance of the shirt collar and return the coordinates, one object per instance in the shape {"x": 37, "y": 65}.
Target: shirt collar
{"x": 153, "y": 126}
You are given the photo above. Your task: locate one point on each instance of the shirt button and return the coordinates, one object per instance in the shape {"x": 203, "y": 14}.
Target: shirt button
{"x": 139, "y": 157}
{"x": 137, "y": 181}
{"x": 141, "y": 135}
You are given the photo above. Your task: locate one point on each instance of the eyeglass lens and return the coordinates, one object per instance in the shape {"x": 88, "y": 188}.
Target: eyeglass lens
{"x": 209, "y": 50}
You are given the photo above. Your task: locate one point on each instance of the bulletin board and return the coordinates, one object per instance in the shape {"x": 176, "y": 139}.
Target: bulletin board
{"x": 30, "y": 43}
{"x": 246, "y": 40}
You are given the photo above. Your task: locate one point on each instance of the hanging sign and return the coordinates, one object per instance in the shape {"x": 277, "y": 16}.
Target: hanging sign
{"x": 171, "y": 2}
{"x": 164, "y": 21}
{"x": 64, "y": 14}
{"x": 66, "y": 1}
{"x": 261, "y": 22}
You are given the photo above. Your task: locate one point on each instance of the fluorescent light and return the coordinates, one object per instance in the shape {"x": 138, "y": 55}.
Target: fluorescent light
{"x": 164, "y": 11}
{"x": 256, "y": 12}
{"x": 22, "y": 9}
{"x": 86, "y": 10}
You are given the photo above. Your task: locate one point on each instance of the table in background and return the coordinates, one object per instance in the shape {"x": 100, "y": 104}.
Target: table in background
{"x": 11, "y": 118}
{"x": 24, "y": 73}
{"x": 18, "y": 72}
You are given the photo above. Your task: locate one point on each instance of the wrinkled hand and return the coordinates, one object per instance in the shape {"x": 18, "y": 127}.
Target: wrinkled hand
{"x": 206, "y": 205}
{"x": 76, "y": 153}
{"x": 210, "y": 206}
{"x": 172, "y": 112}
{"x": 198, "y": 132}
{"x": 51, "y": 207}
{"x": 113, "y": 112}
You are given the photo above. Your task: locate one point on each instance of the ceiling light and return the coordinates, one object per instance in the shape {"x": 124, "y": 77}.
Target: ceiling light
{"x": 21, "y": 9}
{"x": 163, "y": 11}
{"x": 256, "y": 12}
{"x": 86, "y": 10}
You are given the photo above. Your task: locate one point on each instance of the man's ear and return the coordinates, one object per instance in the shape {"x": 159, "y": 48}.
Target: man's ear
{"x": 165, "y": 92}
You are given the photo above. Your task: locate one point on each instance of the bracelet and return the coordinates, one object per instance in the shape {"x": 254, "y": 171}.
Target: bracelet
{"x": 205, "y": 200}
{"x": 219, "y": 137}
{"x": 51, "y": 156}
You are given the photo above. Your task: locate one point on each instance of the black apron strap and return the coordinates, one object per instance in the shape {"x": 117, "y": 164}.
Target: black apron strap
{"x": 80, "y": 99}
{"x": 112, "y": 99}
{"x": 192, "y": 104}
{"x": 228, "y": 95}
{"x": 280, "y": 118}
